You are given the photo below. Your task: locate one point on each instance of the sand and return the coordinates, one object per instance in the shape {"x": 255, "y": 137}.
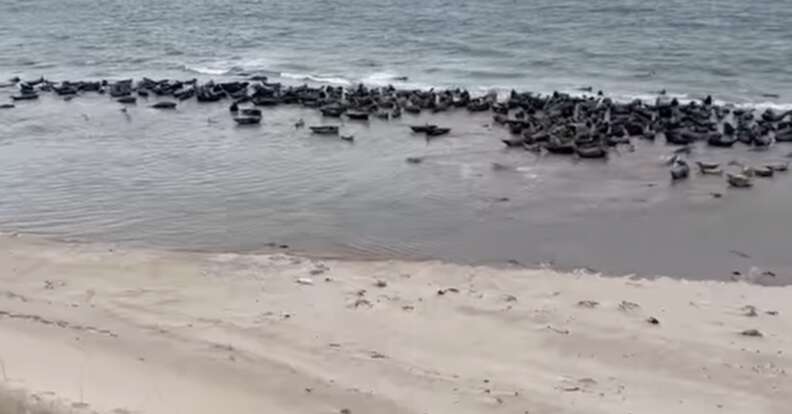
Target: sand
{"x": 92, "y": 328}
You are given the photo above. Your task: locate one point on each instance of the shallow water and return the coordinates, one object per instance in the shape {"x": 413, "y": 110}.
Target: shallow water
{"x": 191, "y": 179}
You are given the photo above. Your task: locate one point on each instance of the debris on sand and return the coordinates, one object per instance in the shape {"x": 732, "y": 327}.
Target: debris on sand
{"x": 653, "y": 321}
{"x": 558, "y": 331}
{"x": 441, "y": 292}
{"x": 739, "y": 253}
{"x": 305, "y": 281}
{"x": 626, "y": 306}
{"x": 589, "y": 304}
{"x": 750, "y": 311}
{"x": 752, "y": 332}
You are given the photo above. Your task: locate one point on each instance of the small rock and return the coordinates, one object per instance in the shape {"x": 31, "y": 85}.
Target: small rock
{"x": 381, "y": 284}
{"x": 305, "y": 281}
{"x": 716, "y": 195}
{"x": 408, "y": 308}
{"x": 652, "y": 320}
{"x": 377, "y": 355}
{"x": 510, "y": 298}
{"x": 345, "y": 411}
{"x": 772, "y": 313}
{"x": 752, "y": 332}
{"x": 308, "y": 390}
{"x": 570, "y": 388}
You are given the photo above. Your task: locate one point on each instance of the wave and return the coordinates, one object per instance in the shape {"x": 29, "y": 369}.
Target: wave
{"x": 208, "y": 70}
{"x": 328, "y": 79}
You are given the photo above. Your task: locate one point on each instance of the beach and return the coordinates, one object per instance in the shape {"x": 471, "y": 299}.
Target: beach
{"x": 98, "y": 328}
{"x": 423, "y": 207}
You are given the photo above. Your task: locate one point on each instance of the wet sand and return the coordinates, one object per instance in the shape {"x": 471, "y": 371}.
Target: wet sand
{"x": 191, "y": 179}
{"x": 89, "y": 328}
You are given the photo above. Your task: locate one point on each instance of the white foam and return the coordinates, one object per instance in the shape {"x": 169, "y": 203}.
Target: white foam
{"x": 327, "y": 79}
{"x": 208, "y": 70}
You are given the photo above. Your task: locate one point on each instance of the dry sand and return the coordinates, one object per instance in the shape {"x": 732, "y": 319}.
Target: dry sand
{"x": 87, "y": 328}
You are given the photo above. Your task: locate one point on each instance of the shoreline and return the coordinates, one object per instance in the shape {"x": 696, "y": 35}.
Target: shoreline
{"x": 273, "y": 248}
{"x": 149, "y": 331}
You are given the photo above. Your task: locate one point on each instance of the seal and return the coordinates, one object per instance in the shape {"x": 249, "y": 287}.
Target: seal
{"x": 739, "y": 180}
{"x": 436, "y": 132}
{"x": 357, "y": 115}
{"x": 164, "y": 105}
{"x": 247, "y": 120}
{"x": 594, "y": 151}
{"x": 325, "y": 130}
{"x": 680, "y": 170}
{"x": 127, "y": 99}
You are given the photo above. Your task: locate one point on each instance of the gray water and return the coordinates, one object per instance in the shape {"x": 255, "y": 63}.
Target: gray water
{"x": 734, "y": 49}
{"x": 191, "y": 179}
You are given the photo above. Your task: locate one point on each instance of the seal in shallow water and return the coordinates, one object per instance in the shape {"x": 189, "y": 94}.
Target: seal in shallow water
{"x": 738, "y": 180}
{"x": 164, "y": 105}
{"x": 680, "y": 170}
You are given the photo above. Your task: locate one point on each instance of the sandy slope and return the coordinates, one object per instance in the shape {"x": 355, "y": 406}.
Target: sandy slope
{"x": 92, "y": 329}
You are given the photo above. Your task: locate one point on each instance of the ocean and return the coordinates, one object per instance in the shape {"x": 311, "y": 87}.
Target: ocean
{"x": 191, "y": 179}
{"x": 737, "y": 51}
